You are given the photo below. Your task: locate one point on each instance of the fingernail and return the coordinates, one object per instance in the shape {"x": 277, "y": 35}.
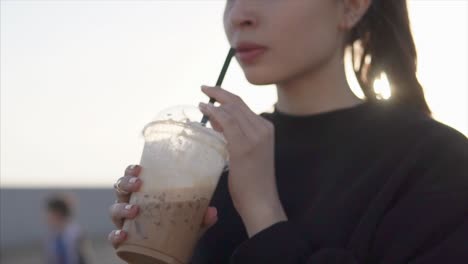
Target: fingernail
{"x": 133, "y": 180}
{"x": 128, "y": 206}
{"x": 132, "y": 167}
{"x": 117, "y": 233}
{"x": 202, "y": 105}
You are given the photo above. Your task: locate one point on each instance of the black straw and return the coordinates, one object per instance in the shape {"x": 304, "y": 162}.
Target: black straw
{"x": 231, "y": 53}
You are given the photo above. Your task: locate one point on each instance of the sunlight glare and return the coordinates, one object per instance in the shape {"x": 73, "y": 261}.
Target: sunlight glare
{"x": 382, "y": 87}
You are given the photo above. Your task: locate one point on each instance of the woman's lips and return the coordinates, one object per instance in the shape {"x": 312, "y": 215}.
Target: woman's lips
{"x": 249, "y": 56}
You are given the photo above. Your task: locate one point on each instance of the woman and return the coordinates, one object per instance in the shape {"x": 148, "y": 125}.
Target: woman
{"x": 328, "y": 177}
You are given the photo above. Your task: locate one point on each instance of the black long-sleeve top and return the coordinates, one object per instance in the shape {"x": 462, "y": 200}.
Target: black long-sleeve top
{"x": 374, "y": 183}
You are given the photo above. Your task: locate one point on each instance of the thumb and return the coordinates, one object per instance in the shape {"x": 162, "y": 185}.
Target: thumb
{"x": 211, "y": 217}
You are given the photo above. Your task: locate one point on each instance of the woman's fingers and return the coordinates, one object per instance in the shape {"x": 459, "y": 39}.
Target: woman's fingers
{"x": 248, "y": 122}
{"x": 116, "y": 237}
{"x": 220, "y": 95}
{"x": 226, "y": 121}
{"x": 216, "y": 126}
{"x": 121, "y": 211}
{"x": 243, "y": 116}
{"x": 127, "y": 184}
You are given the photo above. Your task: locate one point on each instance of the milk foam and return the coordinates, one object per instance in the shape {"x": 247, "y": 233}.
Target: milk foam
{"x": 180, "y": 155}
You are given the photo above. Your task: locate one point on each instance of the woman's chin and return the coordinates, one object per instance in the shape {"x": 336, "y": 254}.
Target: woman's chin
{"x": 259, "y": 81}
{"x": 258, "y": 77}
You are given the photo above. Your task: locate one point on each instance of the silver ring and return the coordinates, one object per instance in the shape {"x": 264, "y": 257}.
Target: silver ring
{"x": 117, "y": 188}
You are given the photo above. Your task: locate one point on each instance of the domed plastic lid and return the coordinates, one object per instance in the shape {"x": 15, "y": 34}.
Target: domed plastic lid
{"x": 180, "y": 113}
{"x": 187, "y": 116}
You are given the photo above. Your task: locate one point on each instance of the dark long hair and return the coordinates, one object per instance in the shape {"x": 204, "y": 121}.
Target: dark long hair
{"x": 382, "y": 42}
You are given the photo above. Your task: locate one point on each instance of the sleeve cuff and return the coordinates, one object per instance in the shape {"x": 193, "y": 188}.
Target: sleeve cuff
{"x": 279, "y": 243}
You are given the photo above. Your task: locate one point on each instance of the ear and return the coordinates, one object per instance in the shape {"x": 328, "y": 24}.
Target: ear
{"x": 353, "y": 11}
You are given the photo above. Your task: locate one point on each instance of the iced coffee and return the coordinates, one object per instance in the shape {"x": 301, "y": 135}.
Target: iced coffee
{"x": 181, "y": 164}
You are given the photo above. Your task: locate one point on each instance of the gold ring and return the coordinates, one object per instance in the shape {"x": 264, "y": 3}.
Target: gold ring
{"x": 118, "y": 189}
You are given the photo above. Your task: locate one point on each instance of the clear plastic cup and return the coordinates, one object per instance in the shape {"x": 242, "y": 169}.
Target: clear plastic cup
{"x": 181, "y": 165}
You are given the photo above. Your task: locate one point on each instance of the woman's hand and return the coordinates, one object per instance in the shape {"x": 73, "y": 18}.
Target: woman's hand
{"x": 122, "y": 210}
{"x": 250, "y": 143}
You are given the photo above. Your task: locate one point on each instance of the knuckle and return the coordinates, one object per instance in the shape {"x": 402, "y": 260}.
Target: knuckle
{"x": 110, "y": 235}
{"x": 130, "y": 170}
{"x": 119, "y": 181}
{"x": 125, "y": 184}
{"x": 237, "y": 99}
{"x": 229, "y": 107}
{"x": 113, "y": 210}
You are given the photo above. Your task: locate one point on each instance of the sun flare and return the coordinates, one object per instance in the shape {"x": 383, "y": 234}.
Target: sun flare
{"x": 382, "y": 87}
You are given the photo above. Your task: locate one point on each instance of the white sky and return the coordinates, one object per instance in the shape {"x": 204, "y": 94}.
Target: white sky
{"x": 79, "y": 79}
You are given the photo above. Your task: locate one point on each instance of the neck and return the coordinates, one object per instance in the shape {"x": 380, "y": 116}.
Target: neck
{"x": 319, "y": 90}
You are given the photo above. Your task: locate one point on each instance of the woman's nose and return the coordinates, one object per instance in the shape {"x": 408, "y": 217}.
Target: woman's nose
{"x": 242, "y": 14}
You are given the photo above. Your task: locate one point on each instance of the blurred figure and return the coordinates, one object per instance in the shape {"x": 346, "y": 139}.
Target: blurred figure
{"x": 65, "y": 242}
